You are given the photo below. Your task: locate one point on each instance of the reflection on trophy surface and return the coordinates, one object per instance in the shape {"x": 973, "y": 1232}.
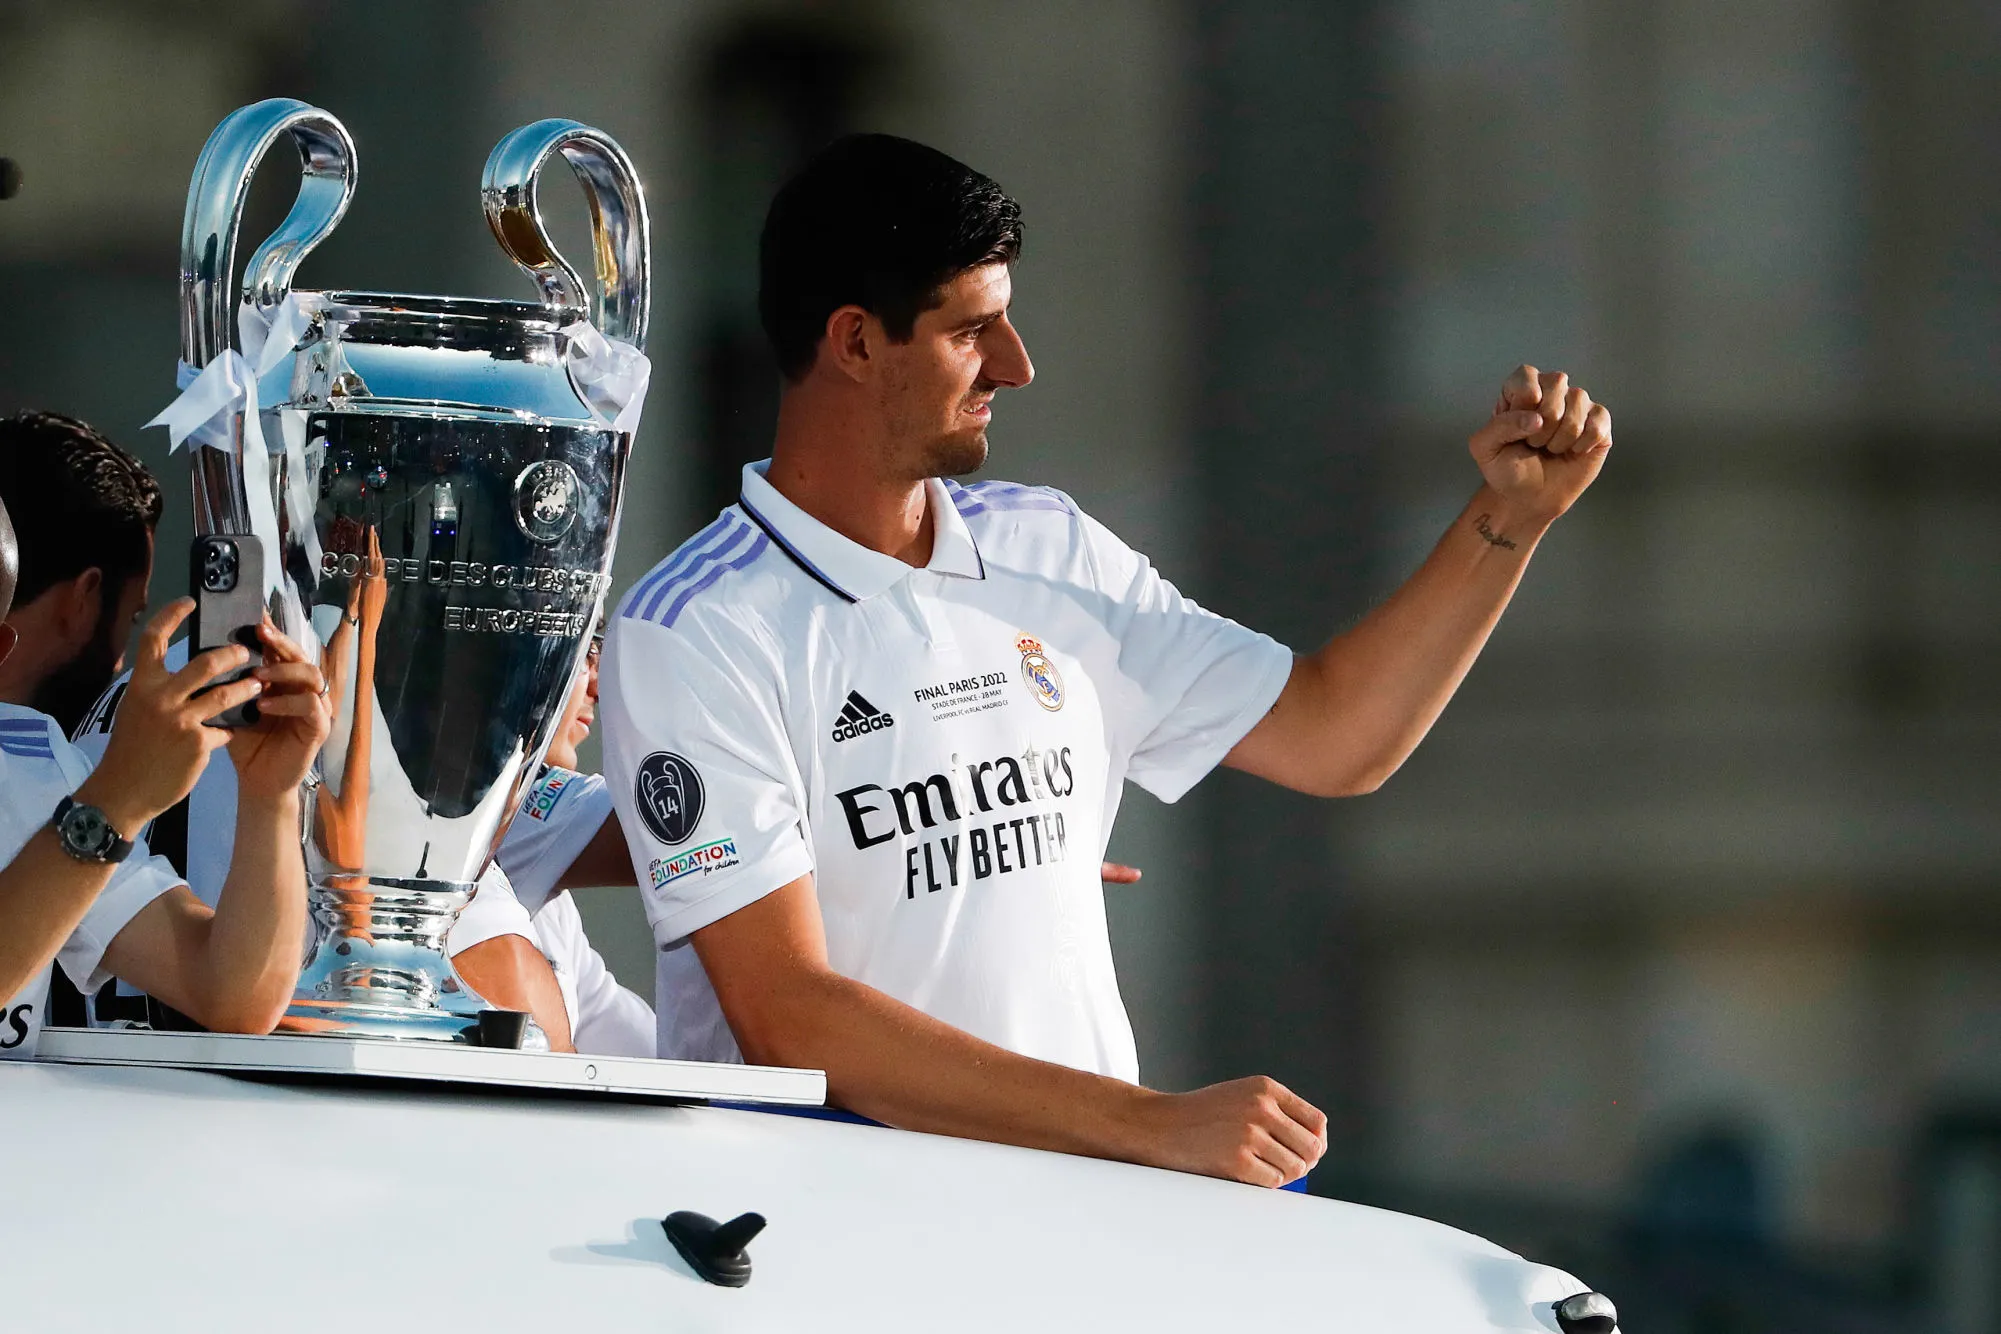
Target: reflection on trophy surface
{"x": 436, "y": 483}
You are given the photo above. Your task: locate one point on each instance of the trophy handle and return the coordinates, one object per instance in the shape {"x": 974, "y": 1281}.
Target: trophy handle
{"x": 215, "y": 210}
{"x": 621, "y": 238}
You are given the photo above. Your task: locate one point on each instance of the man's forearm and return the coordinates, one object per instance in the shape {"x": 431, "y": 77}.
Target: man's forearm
{"x": 510, "y": 973}
{"x": 604, "y": 861}
{"x": 250, "y": 961}
{"x": 900, "y": 1066}
{"x": 1367, "y": 698}
{"x": 44, "y": 893}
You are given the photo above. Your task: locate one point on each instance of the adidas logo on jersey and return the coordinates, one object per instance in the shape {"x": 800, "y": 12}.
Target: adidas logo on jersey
{"x": 858, "y": 716}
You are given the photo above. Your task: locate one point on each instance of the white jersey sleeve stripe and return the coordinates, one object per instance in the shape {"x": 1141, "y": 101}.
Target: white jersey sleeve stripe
{"x": 27, "y": 738}
{"x": 722, "y": 547}
{"x": 998, "y": 497}
{"x": 646, "y": 600}
{"x": 716, "y": 571}
{"x": 650, "y": 582}
{"x": 668, "y": 594}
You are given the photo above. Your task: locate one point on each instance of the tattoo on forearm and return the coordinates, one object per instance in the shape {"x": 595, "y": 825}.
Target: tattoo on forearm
{"x": 1489, "y": 536}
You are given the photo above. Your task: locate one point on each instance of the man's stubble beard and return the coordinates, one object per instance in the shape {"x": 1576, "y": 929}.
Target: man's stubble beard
{"x": 950, "y": 455}
{"x": 957, "y": 455}
{"x": 67, "y": 693}
{"x": 940, "y": 456}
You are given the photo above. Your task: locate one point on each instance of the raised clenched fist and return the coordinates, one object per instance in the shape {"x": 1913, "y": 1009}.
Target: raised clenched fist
{"x": 1545, "y": 443}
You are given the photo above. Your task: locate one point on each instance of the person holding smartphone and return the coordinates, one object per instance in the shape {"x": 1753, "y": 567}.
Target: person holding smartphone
{"x": 78, "y": 885}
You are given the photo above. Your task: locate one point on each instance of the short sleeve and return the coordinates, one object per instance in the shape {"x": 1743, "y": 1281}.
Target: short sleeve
{"x": 700, "y": 771}
{"x": 559, "y": 816}
{"x": 139, "y": 879}
{"x": 493, "y": 912}
{"x": 1191, "y": 683}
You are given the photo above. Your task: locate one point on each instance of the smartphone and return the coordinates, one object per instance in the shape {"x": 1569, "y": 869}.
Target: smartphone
{"x": 226, "y": 577}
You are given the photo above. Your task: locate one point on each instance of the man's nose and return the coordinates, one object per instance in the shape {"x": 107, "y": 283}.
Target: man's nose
{"x": 1007, "y": 362}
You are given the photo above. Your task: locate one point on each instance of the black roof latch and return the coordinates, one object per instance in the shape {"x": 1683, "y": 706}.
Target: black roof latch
{"x": 1587, "y": 1313}
{"x": 714, "y": 1250}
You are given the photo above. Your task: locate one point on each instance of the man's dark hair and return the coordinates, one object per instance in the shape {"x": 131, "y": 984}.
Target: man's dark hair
{"x": 77, "y": 500}
{"x": 877, "y": 222}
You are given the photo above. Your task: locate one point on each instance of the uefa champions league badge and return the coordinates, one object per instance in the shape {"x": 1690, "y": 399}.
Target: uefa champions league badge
{"x": 1040, "y": 674}
{"x": 545, "y": 500}
{"x": 668, "y": 793}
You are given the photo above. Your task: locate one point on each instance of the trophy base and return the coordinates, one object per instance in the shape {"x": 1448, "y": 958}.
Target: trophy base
{"x": 379, "y": 969}
{"x": 304, "y": 1018}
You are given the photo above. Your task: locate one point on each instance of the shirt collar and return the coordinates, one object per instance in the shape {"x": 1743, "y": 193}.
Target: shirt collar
{"x": 845, "y": 566}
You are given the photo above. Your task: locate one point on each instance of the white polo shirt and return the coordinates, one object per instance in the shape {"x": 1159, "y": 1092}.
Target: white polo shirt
{"x": 942, "y": 748}
{"x": 38, "y": 768}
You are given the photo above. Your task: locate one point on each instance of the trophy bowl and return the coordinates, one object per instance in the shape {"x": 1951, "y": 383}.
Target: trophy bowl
{"x": 436, "y": 484}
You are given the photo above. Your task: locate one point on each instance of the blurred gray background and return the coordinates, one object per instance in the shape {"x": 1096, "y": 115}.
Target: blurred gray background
{"x": 1674, "y": 956}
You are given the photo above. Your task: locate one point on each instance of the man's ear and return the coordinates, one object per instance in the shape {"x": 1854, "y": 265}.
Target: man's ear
{"x": 846, "y": 345}
{"x": 9, "y": 637}
{"x": 82, "y": 605}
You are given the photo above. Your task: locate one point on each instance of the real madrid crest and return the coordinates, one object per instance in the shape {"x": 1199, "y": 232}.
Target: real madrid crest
{"x": 1040, "y": 674}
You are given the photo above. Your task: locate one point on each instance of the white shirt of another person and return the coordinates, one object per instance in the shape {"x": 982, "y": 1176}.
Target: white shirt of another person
{"x": 561, "y": 813}
{"x": 38, "y": 768}
{"x": 943, "y": 749}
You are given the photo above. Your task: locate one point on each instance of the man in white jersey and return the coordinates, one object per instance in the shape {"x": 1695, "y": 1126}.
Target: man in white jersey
{"x": 868, "y": 731}
{"x": 77, "y": 884}
{"x": 566, "y": 835}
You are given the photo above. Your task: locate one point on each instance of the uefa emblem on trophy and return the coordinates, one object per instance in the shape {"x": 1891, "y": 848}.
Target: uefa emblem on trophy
{"x": 434, "y": 485}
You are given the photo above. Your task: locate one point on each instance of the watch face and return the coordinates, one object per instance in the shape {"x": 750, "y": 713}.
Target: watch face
{"x": 86, "y": 828}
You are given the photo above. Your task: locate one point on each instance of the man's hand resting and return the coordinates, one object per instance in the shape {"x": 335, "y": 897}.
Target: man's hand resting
{"x": 787, "y": 1006}
{"x": 1252, "y": 1130}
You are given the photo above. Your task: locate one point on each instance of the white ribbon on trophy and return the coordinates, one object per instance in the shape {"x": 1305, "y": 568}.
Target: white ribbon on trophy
{"x": 610, "y": 375}
{"x": 228, "y": 392}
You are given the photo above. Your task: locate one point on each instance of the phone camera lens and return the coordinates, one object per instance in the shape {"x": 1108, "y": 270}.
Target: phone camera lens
{"x": 218, "y": 567}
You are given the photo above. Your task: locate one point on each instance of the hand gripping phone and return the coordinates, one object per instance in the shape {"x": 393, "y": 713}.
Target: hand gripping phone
{"x": 226, "y": 577}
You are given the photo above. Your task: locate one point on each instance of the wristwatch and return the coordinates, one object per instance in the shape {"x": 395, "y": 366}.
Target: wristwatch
{"x": 86, "y": 833}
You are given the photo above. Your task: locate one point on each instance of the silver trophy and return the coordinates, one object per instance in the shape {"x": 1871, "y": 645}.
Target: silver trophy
{"x": 436, "y": 484}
